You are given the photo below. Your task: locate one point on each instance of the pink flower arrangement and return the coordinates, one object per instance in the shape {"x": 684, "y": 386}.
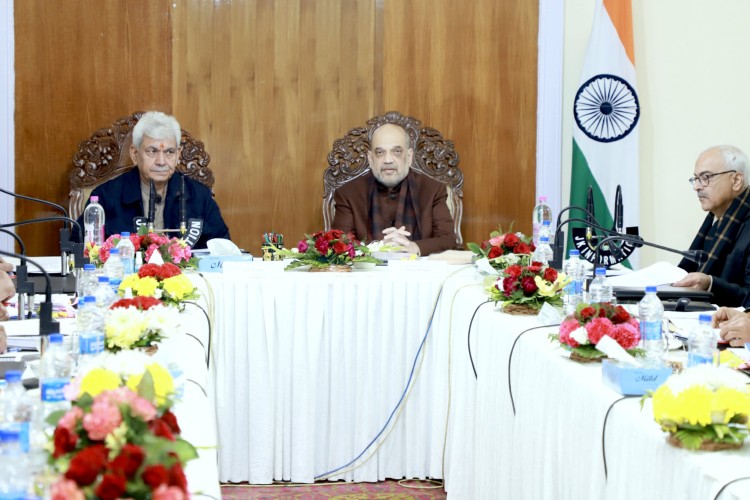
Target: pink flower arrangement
{"x": 172, "y": 250}
{"x": 581, "y": 331}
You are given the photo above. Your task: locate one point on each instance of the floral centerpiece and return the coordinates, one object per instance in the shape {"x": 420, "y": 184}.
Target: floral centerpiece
{"x": 505, "y": 249}
{"x": 327, "y": 249}
{"x": 525, "y": 289}
{"x": 581, "y": 331}
{"x": 705, "y": 407}
{"x": 172, "y": 250}
{"x": 165, "y": 282}
{"x": 138, "y": 322}
{"x": 120, "y": 439}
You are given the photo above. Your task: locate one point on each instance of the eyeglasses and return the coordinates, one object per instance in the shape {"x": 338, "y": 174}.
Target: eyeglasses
{"x": 704, "y": 179}
{"x": 152, "y": 152}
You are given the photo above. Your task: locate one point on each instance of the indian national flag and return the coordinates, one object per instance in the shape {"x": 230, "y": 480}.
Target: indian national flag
{"x": 607, "y": 109}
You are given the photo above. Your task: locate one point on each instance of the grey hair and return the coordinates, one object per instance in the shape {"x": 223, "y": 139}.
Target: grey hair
{"x": 734, "y": 159}
{"x": 156, "y": 125}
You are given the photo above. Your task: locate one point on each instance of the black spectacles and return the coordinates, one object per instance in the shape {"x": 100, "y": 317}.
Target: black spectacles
{"x": 704, "y": 179}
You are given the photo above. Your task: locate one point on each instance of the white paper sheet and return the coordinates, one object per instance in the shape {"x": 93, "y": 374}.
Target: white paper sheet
{"x": 661, "y": 273}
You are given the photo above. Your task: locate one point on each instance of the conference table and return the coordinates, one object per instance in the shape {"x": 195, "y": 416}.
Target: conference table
{"x": 366, "y": 375}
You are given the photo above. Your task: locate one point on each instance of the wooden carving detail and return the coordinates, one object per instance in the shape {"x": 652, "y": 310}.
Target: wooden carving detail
{"x": 106, "y": 154}
{"x": 433, "y": 156}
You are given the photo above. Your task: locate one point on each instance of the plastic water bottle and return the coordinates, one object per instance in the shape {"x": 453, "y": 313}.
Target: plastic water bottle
{"x": 16, "y": 409}
{"x": 702, "y": 343}
{"x": 573, "y": 293}
{"x": 103, "y": 294}
{"x": 127, "y": 254}
{"x": 90, "y": 330}
{"x": 114, "y": 269}
{"x": 14, "y": 480}
{"x": 650, "y": 315}
{"x": 600, "y": 290}
{"x": 543, "y": 252}
{"x": 542, "y": 212}
{"x": 93, "y": 222}
{"x": 54, "y": 374}
{"x": 87, "y": 282}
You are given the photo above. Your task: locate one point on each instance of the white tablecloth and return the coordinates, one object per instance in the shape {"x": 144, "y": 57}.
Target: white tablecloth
{"x": 311, "y": 365}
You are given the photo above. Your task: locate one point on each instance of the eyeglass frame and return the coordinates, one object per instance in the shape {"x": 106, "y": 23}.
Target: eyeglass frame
{"x": 168, "y": 153}
{"x": 707, "y": 178}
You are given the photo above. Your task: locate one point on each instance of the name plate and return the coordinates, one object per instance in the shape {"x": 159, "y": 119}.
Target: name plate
{"x": 215, "y": 263}
{"x": 633, "y": 381}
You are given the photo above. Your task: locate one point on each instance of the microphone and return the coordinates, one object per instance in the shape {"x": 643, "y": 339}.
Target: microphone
{"x": 66, "y": 246}
{"x": 24, "y": 286}
{"x": 151, "y": 206}
{"x": 183, "y": 207}
{"x": 558, "y": 248}
{"x": 697, "y": 256}
{"x": 47, "y": 325}
{"x": 590, "y": 217}
{"x": 618, "y": 209}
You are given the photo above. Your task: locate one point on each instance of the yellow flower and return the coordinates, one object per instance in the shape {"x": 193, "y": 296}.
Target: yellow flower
{"x": 146, "y": 286}
{"x": 178, "y": 286}
{"x": 163, "y": 383}
{"x": 546, "y": 289}
{"x": 99, "y": 380}
{"x": 130, "y": 281}
{"x": 116, "y": 439}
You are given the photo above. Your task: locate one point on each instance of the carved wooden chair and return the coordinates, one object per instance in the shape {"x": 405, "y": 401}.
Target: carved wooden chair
{"x": 106, "y": 154}
{"x": 433, "y": 156}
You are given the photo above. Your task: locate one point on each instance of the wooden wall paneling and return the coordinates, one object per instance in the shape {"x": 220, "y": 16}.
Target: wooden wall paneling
{"x": 80, "y": 64}
{"x": 285, "y": 79}
{"x": 469, "y": 70}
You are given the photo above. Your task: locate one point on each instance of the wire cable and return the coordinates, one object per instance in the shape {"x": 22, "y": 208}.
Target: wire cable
{"x": 604, "y": 429}
{"x": 468, "y": 335}
{"x": 397, "y": 410}
{"x": 208, "y": 322}
{"x": 729, "y": 483}
{"x": 510, "y": 358}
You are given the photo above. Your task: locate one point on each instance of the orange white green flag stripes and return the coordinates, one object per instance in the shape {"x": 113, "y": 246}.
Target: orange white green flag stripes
{"x": 607, "y": 109}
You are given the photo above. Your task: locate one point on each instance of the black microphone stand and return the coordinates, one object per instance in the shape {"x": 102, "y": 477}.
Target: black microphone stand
{"x": 692, "y": 255}
{"x": 24, "y": 286}
{"x": 76, "y": 248}
{"x": 47, "y": 325}
{"x": 559, "y": 243}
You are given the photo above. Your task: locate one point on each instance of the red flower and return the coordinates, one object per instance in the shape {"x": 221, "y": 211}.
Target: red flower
{"x": 160, "y": 272}
{"x": 535, "y": 267}
{"x": 511, "y": 240}
{"x": 333, "y": 234}
{"x": 340, "y": 248}
{"x": 155, "y": 475}
{"x": 514, "y": 271}
{"x": 177, "y": 477}
{"x": 550, "y": 274}
{"x": 321, "y": 245}
{"x": 495, "y": 252}
{"x": 620, "y": 315}
{"x": 484, "y": 245}
{"x": 128, "y": 461}
{"x": 141, "y": 302}
{"x": 170, "y": 419}
{"x": 302, "y": 246}
{"x": 509, "y": 285}
{"x": 65, "y": 441}
{"x": 160, "y": 428}
{"x": 87, "y": 464}
{"x": 111, "y": 487}
{"x": 587, "y": 313}
{"x": 528, "y": 285}
{"x": 626, "y": 335}
{"x": 352, "y": 251}
{"x": 597, "y": 328}
{"x": 522, "y": 248}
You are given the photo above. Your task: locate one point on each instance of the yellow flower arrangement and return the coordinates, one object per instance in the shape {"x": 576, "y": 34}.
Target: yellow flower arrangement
{"x": 164, "y": 282}
{"x": 705, "y": 404}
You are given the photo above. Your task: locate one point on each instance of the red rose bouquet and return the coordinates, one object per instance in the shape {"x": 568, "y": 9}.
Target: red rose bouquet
{"x": 530, "y": 286}
{"x": 119, "y": 441}
{"x": 505, "y": 249}
{"x": 328, "y": 248}
{"x": 581, "y": 331}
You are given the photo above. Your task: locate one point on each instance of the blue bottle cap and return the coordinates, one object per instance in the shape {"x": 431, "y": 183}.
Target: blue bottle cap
{"x": 600, "y": 271}
{"x": 574, "y": 253}
{"x": 125, "y": 234}
{"x": 13, "y": 375}
{"x": 650, "y": 289}
{"x": 55, "y": 338}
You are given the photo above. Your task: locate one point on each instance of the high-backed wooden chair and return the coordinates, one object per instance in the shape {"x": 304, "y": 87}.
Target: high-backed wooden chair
{"x": 106, "y": 154}
{"x": 433, "y": 156}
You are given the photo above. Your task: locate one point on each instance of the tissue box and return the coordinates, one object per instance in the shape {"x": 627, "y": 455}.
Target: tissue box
{"x": 215, "y": 263}
{"x": 632, "y": 381}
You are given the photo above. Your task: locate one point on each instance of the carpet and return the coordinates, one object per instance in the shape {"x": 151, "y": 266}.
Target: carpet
{"x": 385, "y": 490}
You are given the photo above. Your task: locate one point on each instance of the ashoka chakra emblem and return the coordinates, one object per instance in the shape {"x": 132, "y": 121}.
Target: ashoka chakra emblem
{"x": 606, "y": 108}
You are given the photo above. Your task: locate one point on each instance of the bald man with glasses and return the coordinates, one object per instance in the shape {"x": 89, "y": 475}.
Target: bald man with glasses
{"x": 720, "y": 180}
{"x": 156, "y": 151}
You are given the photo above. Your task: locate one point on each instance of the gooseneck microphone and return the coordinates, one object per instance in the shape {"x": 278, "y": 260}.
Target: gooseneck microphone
{"x": 47, "y": 325}
{"x": 183, "y": 207}
{"x": 619, "y": 209}
{"x": 697, "y": 256}
{"x": 559, "y": 244}
{"x": 65, "y": 243}
{"x": 151, "y": 206}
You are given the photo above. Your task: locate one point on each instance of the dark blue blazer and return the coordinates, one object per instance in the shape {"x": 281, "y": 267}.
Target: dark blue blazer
{"x": 121, "y": 199}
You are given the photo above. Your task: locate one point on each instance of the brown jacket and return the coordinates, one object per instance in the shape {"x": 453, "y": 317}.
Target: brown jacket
{"x": 430, "y": 204}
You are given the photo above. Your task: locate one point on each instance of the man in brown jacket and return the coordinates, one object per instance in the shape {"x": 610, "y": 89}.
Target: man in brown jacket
{"x": 394, "y": 203}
